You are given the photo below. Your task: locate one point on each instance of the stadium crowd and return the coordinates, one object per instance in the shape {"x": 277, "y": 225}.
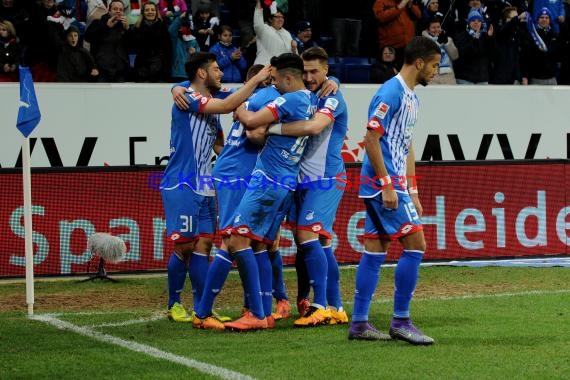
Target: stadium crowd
{"x": 481, "y": 42}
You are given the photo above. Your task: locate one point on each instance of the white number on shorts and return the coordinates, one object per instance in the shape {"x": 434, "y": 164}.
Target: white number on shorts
{"x": 186, "y": 223}
{"x": 299, "y": 145}
{"x": 411, "y": 211}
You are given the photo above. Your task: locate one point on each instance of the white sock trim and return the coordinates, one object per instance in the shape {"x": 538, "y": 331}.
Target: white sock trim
{"x": 375, "y": 253}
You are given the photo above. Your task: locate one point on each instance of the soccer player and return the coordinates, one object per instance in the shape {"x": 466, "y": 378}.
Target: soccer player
{"x": 188, "y": 202}
{"x": 233, "y": 167}
{"x": 316, "y": 199}
{"x": 272, "y": 181}
{"x": 393, "y": 210}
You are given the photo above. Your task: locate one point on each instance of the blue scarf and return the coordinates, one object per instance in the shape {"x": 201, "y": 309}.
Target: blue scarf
{"x": 534, "y": 34}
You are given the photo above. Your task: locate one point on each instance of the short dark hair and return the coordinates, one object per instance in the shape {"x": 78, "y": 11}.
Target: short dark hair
{"x": 199, "y": 60}
{"x": 253, "y": 70}
{"x": 288, "y": 62}
{"x": 420, "y": 47}
{"x": 315, "y": 53}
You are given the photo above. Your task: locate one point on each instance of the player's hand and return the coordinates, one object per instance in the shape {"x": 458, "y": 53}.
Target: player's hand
{"x": 417, "y": 204}
{"x": 329, "y": 87}
{"x": 178, "y": 95}
{"x": 390, "y": 198}
{"x": 442, "y": 38}
{"x": 262, "y": 75}
{"x": 235, "y": 114}
{"x": 490, "y": 31}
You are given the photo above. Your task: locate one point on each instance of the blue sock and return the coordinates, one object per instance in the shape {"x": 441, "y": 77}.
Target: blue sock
{"x": 367, "y": 277}
{"x": 406, "y": 278}
{"x": 316, "y": 262}
{"x": 197, "y": 270}
{"x": 333, "y": 279}
{"x": 303, "y": 285}
{"x": 215, "y": 279}
{"x": 176, "y": 278}
{"x": 265, "y": 280}
{"x": 249, "y": 273}
{"x": 279, "y": 291}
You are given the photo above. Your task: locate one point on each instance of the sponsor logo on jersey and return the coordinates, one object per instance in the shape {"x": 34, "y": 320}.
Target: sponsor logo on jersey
{"x": 382, "y": 110}
{"x": 195, "y": 95}
{"x": 279, "y": 101}
{"x": 374, "y": 124}
{"x": 174, "y": 236}
{"x": 316, "y": 228}
{"x": 406, "y": 229}
{"x": 204, "y": 100}
{"x": 242, "y": 230}
{"x": 237, "y": 218}
{"x": 326, "y": 111}
{"x": 331, "y": 103}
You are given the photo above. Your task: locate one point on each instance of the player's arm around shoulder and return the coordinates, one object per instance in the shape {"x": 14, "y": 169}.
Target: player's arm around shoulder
{"x": 311, "y": 127}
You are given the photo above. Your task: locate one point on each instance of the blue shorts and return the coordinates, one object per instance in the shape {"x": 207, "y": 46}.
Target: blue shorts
{"x": 261, "y": 210}
{"x": 188, "y": 215}
{"x": 314, "y": 209}
{"x": 228, "y": 195}
{"x": 390, "y": 224}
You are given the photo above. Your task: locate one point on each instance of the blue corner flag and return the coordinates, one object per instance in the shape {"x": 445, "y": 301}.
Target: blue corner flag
{"x": 29, "y": 113}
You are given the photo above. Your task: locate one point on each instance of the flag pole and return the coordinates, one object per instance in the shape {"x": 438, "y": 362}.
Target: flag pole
{"x": 29, "y": 117}
{"x": 28, "y": 225}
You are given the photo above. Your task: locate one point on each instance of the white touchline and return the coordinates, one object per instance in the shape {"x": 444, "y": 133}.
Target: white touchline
{"x": 142, "y": 348}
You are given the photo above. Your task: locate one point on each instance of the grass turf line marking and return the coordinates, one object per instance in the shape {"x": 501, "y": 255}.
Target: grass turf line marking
{"x": 155, "y": 317}
{"x": 142, "y": 348}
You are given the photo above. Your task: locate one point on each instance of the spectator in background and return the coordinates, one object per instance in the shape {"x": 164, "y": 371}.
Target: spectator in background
{"x": 449, "y": 53}
{"x": 463, "y": 15}
{"x": 396, "y": 24}
{"x": 557, "y": 12}
{"x": 540, "y": 53}
{"x": 429, "y": 12}
{"x": 384, "y": 68}
{"x": 346, "y": 25}
{"x": 183, "y": 45}
{"x": 304, "y": 36}
{"x": 205, "y": 27}
{"x": 170, "y": 9}
{"x": 229, "y": 57}
{"x": 10, "y": 51}
{"x": 150, "y": 42}
{"x": 74, "y": 63}
{"x": 564, "y": 77}
{"x": 108, "y": 39}
{"x": 17, "y": 15}
{"x": 506, "y": 62}
{"x": 476, "y": 49}
{"x": 272, "y": 39}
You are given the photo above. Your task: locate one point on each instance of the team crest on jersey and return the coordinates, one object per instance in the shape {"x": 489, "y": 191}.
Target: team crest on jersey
{"x": 382, "y": 110}
{"x": 310, "y": 215}
{"x": 195, "y": 95}
{"x": 279, "y": 101}
{"x": 331, "y": 104}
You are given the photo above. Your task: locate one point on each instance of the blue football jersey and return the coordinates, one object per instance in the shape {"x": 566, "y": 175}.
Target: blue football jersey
{"x": 192, "y": 137}
{"x": 280, "y": 156}
{"x": 239, "y": 155}
{"x": 393, "y": 112}
{"x": 322, "y": 158}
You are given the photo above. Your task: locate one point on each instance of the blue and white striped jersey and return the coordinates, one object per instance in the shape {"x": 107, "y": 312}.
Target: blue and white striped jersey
{"x": 192, "y": 137}
{"x": 322, "y": 158}
{"x": 393, "y": 112}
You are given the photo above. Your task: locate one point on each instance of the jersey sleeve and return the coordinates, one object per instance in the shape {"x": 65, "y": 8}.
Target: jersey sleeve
{"x": 279, "y": 107}
{"x": 197, "y": 101}
{"x": 330, "y": 108}
{"x": 224, "y": 93}
{"x": 381, "y": 111}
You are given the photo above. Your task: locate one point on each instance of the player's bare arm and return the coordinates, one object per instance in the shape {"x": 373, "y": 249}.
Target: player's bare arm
{"x": 372, "y": 146}
{"x": 232, "y": 102}
{"x": 311, "y": 127}
{"x": 412, "y": 181}
{"x": 219, "y": 143}
{"x": 252, "y": 120}
{"x": 257, "y": 135}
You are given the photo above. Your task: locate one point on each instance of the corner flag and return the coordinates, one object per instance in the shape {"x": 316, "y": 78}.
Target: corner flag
{"x": 29, "y": 113}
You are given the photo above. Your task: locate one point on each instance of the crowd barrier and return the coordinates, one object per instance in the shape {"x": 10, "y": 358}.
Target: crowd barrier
{"x": 471, "y": 210}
